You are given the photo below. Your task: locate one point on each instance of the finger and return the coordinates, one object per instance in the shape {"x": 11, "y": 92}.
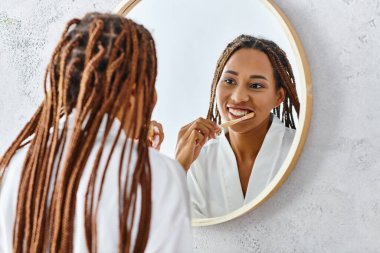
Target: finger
{"x": 185, "y": 127}
{"x": 201, "y": 129}
{"x": 210, "y": 123}
{"x": 187, "y": 150}
{"x": 183, "y": 131}
{"x": 199, "y": 124}
{"x": 151, "y": 130}
{"x": 158, "y": 127}
{"x": 207, "y": 127}
{"x": 197, "y": 139}
{"x": 156, "y": 143}
{"x": 158, "y": 133}
{"x": 204, "y": 127}
{"x": 199, "y": 146}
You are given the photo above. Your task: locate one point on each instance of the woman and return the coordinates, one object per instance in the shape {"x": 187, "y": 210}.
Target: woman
{"x": 252, "y": 76}
{"x": 80, "y": 176}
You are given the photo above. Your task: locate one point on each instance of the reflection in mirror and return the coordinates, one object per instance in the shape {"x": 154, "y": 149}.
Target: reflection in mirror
{"x": 253, "y": 76}
{"x": 261, "y": 73}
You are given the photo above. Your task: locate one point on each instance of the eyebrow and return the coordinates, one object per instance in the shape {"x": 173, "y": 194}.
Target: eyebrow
{"x": 252, "y": 76}
{"x": 258, "y": 77}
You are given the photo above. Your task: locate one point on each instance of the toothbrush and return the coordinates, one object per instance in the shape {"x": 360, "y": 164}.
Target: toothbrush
{"x": 234, "y": 121}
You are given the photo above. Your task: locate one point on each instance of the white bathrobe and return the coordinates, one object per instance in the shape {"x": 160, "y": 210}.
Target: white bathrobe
{"x": 213, "y": 179}
{"x": 170, "y": 229}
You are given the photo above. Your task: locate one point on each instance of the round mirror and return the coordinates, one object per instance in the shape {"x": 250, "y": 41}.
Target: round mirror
{"x": 190, "y": 37}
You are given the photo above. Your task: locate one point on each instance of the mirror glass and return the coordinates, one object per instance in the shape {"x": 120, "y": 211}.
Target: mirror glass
{"x": 190, "y": 36}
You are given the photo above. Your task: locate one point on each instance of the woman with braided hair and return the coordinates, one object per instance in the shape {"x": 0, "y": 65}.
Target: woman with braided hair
{"x": 81, "y": 177}
{"x": 252, "y": 76}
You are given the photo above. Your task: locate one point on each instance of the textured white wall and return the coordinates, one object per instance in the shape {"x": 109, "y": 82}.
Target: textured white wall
{"x": 331, "y": 202}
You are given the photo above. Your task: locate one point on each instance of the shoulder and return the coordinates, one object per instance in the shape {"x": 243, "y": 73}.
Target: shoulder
{"x": 287, "y": 139}
{"x": 289, "y": 134}
{"x": 170, "y": 229}
{"x": 13, "y": 170}
{"x": 167, "y": 175}
{"x": 165, "y": 164}
{"x": 8, "y": 198}
{"x": 170, "y": 196}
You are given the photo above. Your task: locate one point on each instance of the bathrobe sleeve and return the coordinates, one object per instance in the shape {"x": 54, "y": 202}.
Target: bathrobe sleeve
{"x": 8, "y": 201}
{"x": 171, "y": 222}
{"x": 170, "y": 229}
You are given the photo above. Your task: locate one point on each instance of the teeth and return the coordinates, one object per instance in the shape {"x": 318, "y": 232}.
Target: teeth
{"x": 238, "y": 112}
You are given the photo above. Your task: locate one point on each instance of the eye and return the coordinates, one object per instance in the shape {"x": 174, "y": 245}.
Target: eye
{"x": 229, "y": 81}
{"x": 256, "y": 86}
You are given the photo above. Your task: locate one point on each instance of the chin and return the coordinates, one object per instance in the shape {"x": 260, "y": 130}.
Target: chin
{"x": 243, "y": 127}
{"x": 248, "y": 126}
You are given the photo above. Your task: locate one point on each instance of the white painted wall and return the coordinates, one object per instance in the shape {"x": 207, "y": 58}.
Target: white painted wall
{"x": 331, "y": 202}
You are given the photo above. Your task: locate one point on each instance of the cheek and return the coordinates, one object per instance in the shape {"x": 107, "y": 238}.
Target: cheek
{"x": 264, "y": 102}
{"x": 221, "y": 96}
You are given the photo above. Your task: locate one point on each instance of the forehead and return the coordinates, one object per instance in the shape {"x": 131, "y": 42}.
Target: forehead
{"x": 249, "y": 60}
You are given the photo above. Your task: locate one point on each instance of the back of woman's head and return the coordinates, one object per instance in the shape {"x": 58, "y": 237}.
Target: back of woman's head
{"x": 102, "y": 58}
{"x": 282, "y": 71}
{"x": 99, "y": 65}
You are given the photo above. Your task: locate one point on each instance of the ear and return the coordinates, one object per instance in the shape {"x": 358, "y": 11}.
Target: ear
{"x": 280, "y": 96}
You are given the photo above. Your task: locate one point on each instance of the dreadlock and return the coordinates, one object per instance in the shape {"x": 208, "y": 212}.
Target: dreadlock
{"x": 100, "y": 62}
{"x": 282, "y": 70}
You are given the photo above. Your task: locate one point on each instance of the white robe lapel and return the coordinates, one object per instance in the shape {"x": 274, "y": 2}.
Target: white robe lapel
{"x": 235, "y": 197}
{"x": 265, "y": 165}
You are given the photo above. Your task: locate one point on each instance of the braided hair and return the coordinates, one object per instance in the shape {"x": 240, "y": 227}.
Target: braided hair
{"x": 282, "y": 70}
{"x": 100, "y": 63}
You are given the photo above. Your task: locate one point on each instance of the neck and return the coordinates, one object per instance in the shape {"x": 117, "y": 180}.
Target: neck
{"x": 247, "y": 145}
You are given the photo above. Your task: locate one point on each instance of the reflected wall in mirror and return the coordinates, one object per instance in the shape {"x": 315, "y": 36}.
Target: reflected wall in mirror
{"x": 239, "y": 169}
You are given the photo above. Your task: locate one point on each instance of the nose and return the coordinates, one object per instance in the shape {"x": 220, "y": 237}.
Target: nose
{"x": 239, "y": 94}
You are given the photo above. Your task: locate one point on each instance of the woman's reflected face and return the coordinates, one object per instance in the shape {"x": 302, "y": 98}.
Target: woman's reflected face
{"x": 247, "y": 84}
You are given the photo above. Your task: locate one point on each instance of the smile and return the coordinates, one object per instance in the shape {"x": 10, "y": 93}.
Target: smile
{"x": 238, "y": 112}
